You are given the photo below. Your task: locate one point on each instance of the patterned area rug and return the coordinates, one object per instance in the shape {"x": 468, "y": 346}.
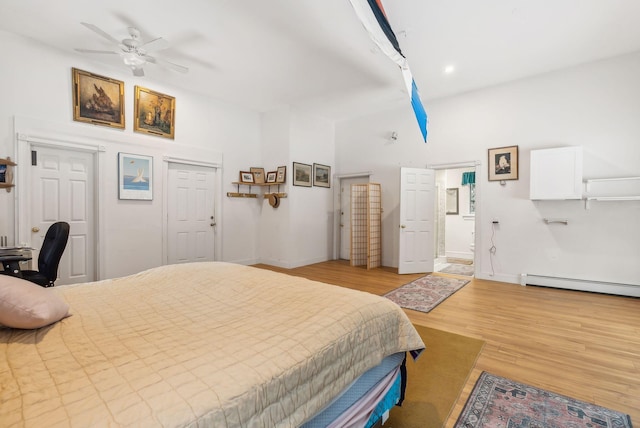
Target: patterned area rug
{"x": 425, "y": 293}
{"x": 458, "y": 269}
{"x": 499, "y": 402}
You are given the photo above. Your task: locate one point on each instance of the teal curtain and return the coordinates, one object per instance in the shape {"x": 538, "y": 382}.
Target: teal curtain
{"x": 468, "y": 178}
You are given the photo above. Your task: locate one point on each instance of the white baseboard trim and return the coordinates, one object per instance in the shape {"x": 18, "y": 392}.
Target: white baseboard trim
{"x": 467, "y": 255}
{"x": 512, "y": 279}
{"x": 290, "y": 265}
{"x": 581, "y": 284}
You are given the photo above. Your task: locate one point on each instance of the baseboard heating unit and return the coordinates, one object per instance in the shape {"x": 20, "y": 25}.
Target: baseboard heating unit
{"x": 581, "y": 284}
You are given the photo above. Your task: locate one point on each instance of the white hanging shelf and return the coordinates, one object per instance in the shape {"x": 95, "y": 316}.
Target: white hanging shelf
{"x": 604, "y": 198}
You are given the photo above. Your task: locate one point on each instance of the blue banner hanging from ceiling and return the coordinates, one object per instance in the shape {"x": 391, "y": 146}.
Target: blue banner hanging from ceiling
{"x": 374, "y": 19}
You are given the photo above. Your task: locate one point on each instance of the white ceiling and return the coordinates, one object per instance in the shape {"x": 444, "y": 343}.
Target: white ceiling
{"x": 263, "y": 54}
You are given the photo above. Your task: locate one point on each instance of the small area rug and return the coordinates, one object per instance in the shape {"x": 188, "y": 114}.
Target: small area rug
{"x": 499, "y": 402}
{"x": 435, "y": 380}
{"x": 425, "y": 293}
{"x": 458, "y": 269}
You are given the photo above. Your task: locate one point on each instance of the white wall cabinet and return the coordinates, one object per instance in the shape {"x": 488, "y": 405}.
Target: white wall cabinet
{"x": 556, "y": 173}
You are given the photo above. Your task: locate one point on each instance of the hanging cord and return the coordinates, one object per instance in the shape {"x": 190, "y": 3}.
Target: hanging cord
{"x": 493, "y": 249}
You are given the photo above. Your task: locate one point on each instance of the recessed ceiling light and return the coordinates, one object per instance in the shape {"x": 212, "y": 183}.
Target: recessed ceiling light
{"x": 449, "y": 69}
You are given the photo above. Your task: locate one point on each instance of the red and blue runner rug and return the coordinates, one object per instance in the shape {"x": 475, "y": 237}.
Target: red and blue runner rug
{"x": 497, "y": 402}
{"x": 425, "y": 293}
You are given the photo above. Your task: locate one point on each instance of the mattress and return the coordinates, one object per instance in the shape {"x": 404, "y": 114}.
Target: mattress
{"x": 203, "y": 344}
{"x": 355, "y": 391}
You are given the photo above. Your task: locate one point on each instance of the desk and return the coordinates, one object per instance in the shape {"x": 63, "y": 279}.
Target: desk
{"x": 10, "y": 257}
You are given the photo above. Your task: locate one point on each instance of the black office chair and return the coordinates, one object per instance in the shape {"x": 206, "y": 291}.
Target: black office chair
{"x": 53, "y": 246}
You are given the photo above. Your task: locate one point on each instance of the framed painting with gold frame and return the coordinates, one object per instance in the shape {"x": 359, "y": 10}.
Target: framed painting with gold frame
{"x": 98, "y": 100}
{"x": 155, "y": 113}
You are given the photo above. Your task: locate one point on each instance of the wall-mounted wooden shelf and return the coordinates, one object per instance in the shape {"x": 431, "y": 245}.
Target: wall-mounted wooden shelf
{"x": 240, "y": 194}
{"x": 8, "y": 174}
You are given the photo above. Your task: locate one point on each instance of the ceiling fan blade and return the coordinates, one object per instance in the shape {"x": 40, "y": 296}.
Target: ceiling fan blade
{"x": 139, "y": 72}
{"x": 167, "y": 64}
{"x": 94, "y": 51}
{"x": 155, "y": 45}
{"x": 102, "y": 33}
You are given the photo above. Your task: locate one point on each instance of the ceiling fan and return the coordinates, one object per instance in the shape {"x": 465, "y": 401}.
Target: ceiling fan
{"x": 133, "y": 51}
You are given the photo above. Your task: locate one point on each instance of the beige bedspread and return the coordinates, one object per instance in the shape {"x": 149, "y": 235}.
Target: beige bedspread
{"x": 206, "y": 344}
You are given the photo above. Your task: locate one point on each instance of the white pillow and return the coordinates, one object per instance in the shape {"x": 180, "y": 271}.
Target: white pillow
{"x": 24, "y": 304}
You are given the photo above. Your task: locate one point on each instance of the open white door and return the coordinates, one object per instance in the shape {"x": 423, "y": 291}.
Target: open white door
{"x": 417, "y": 196}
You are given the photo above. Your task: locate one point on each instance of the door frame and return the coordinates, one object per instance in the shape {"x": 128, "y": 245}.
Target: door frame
{"x": 477, "y": 217}
{"x": 217, "y": 203}
{"x": 337, "y": 186}
{"x": 25, "y": 142}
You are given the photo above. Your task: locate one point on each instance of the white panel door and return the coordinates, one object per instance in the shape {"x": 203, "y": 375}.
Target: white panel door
{"x": 417, "y": 196}
{"x": 191, "y": 221}
{"x": 62, "y": 190}
{"x": 345, "y": 214}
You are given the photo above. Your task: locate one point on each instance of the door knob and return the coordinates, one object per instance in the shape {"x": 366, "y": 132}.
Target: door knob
{"x": 35, "y": 229}
{"x": 402, "y": 226}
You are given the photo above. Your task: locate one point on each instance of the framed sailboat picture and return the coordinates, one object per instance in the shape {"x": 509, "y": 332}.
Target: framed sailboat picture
{"x": 135, "y": 177}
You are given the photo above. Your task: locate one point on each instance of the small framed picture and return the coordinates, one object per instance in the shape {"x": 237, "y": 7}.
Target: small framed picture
{"x": 281, "y": 176}
{"x": 301, "y": 174}
{"x": 321, "y": 175}
{"x": 97, "y": 99}
{"x": 258, "y": 175}
{"x": 503, "y": 163}
{"x": 247, "y": 177}
{"x": 135, "y": 177}
{"x": 155, "y": 113}
{"x": 271, "y": 176}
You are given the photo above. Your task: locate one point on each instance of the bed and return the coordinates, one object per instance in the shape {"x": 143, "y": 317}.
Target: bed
{"x": 202, "y": 344}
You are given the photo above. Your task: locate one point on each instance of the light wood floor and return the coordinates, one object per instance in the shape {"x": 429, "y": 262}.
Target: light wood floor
{"x": 580, "y": 344}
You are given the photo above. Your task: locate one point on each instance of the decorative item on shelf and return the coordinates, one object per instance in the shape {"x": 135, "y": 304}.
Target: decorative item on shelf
{"x": 135, "y": 177}
{"x": 503, "y": 163}
{"x": 301, "y": 174}
{"x": 274, "y": 200}
{"x": 321, "y": 175}
{"x": 258, "y": 175}
{"x": 97, "y": 99}
{"x": 281, "y": 176}
{"x": 6, "y": 173}
{"x": 247, "y": 177}
{"x": 271, "y": 177}
{"x": 155, "y": 113}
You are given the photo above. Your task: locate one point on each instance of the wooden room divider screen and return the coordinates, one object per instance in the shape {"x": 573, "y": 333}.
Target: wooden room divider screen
{"x": 366, "y": 225}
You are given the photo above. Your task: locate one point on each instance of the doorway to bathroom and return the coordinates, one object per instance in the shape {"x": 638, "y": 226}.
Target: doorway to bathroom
{"x": 455, "y": 218}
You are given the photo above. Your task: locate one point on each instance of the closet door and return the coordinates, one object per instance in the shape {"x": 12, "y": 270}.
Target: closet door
{"x": 62, "y": 189}
{"x": 190, "y": 222}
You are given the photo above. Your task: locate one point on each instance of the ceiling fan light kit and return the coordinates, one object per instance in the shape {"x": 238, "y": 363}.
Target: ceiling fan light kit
{"x": 134, "y": 52}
